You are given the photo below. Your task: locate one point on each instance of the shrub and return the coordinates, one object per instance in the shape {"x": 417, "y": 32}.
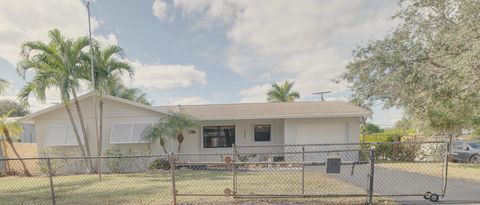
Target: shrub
{"x": 57, "y": 165}
{"x": 246, "y": 158}
{"x": 391, "y": 151}
{"x": 114, "y": 164}
{"x": 159, "y": 164}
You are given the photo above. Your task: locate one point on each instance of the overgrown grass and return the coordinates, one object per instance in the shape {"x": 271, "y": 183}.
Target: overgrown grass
{"x": 155, "y": 188}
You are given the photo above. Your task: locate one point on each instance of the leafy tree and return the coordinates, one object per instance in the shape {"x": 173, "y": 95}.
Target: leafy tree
{"x": 175, "y": 124}
{"x": 106, "y": 65}
{"x": 19, "y": 110}
{"x": 3, "y": 85}
{"x": 56, "y": 64}
{"x": 8, "y": 129}
{"x": 371, "y": 128}
{"x": 429, "y": 65}
{"x": 364, "y": 104}
{"x": 282, "y": 92}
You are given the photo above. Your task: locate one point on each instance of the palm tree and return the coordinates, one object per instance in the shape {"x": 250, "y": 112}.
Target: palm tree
{"x": 107, "y": 66}
{"x": 3, "y": 85}
{"x": 56, "y": 65}
{"x": 176, "y": 123}
{"x": 118, "y": 89}
{"x": 9, "y": 128}
{"x": 157, "y": 131}
{"x": 282, "y": 92}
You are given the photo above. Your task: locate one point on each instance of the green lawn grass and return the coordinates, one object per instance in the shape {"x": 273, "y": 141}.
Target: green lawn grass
{"x": 155, "y": 187}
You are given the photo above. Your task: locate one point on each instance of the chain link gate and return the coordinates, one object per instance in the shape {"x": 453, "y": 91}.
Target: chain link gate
{"x": 368, "y": 170}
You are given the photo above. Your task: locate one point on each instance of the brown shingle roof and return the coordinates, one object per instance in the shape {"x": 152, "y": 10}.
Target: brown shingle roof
{"x": 271, "y": 110}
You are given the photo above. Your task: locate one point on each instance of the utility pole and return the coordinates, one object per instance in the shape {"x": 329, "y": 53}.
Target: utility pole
{"x": 322, "y": 93}
{"x": 93, "y": 88}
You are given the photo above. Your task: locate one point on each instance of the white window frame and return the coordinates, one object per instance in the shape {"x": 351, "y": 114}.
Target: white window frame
{"x": 64, "y": 137}
{"x": 131, "y": 132}
{"x": 253, "y": 132}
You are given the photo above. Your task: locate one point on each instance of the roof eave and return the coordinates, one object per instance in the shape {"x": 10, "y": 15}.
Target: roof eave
{"x": 30, "y": 118}
{"x": 335, "y": 115}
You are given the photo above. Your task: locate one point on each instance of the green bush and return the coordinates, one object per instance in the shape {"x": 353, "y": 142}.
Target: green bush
{"x": 57, "y": 165}
{"x": 114, "y": 164}
{"x": 159, "y": 164}
{"x": 390, "y": 150}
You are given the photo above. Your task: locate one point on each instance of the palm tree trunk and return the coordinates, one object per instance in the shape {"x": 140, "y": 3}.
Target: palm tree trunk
{"x": 82, "y": 125}
{"x": 100, "y": 128}
{"x": 10, "y": 142}
{"x": 164, "y": 149}
{"x": 180, "y": 140}
{"x": 4, "y": 153}
{"x": 77, "y": 136}
{"x": 179, "y": 147}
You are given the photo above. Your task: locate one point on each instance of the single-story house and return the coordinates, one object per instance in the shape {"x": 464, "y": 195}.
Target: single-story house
{"x": 28, "y": 134}
{"x": 222, "y": 125}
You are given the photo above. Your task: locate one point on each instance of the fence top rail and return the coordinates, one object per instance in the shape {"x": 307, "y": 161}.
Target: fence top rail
{"x": 81, "y": 157}
{"x": 336, "y": 144}
{"x": 267, "y": 152}
{"x": 183, "y": 154}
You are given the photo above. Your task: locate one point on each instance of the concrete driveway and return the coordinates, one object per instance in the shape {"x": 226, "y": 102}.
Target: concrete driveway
{"x": 397, "y": 182}
{"x": 390, "y": 181}
{"x": 458, "y": 192}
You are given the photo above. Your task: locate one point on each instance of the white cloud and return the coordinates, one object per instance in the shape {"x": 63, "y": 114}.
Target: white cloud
{"x": 110, "y": 39}
{"x": 35, "y": 105}
{"x": 160, "y": 9}
{"x": 257, "y": 93}
{"x": 386, "y": 117}
{"x": 308, "y": 41}
{"x": 164, "y": 77}
{"x": 52, "y": 95}
{"x": 211, "y": 12}
{"x": 190, "y": 100}
{"x": 24, "y": 20}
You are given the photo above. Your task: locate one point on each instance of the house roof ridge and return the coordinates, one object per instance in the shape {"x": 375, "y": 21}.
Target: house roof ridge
{"x": 251, "y": 103}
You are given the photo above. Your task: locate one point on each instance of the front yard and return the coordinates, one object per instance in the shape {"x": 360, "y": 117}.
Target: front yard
{"x": 155, "y": 187}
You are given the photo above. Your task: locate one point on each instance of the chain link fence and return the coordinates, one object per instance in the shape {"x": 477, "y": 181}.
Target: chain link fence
{"x": 331, "y": 173}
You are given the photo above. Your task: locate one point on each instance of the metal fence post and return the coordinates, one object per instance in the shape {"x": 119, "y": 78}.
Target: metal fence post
{"x": 99, "y": 168}
{"x": 448, "y": 151}
{"x": 303, "y": 170}
{"x": 171, "y": 158}
{"x": 371, "y": 175}
{"x": 234, "y": 170}
{"x": 50, "y": 178}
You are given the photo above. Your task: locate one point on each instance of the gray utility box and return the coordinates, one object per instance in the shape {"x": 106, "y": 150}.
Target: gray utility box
{"x": 333, "y": 165}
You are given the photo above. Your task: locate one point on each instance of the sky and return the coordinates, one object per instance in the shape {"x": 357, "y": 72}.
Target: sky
{"x": 209, "y": 51}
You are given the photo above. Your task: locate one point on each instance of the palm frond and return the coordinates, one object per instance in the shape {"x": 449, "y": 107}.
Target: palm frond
{"x": 282, "y": 92}
{"x": 3, "y": 85}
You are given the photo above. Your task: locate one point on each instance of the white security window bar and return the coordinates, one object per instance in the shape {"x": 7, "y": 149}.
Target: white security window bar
{"x": 60, "y": 135}
{"x": 129, "y": 133}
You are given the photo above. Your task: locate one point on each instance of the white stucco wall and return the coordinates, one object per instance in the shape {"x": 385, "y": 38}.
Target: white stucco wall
{"x": 322, "y": 130}
{"x": 114, "y": 112}
{"x": 244, "y": 135}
